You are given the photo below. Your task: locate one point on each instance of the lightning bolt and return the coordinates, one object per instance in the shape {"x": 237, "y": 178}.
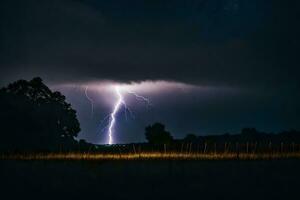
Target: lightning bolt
{"x": 90, "y": 100}
{"x": 117, "y": 106}
{"x": 112, "y": 122}
{"x": 140, "y": 98}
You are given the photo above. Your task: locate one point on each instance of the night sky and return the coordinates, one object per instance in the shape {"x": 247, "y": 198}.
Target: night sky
{"x": 207, "y": 66}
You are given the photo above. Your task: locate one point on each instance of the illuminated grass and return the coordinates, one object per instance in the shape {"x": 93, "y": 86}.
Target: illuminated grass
{"x": 150, "y": 156}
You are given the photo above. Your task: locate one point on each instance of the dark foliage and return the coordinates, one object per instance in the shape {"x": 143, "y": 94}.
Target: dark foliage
{"x": 190, "y": 138}
{"x": 156, "y": 134}
{"x": 33, "y": 117}
{"x": 247, "y": 135}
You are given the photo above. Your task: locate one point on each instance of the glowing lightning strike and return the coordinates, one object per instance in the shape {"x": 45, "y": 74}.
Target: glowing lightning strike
{"x": 113, "y": 114}
{"x": 139, "y": 97}
{"x": 116, "y": 109}
{"x": 91, "y": 101}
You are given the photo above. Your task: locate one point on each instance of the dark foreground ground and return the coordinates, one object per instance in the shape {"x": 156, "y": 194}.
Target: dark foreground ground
{"x": 276, "y": 179}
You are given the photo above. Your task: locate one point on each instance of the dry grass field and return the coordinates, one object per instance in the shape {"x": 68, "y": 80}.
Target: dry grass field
{"x": 151, "y": 156}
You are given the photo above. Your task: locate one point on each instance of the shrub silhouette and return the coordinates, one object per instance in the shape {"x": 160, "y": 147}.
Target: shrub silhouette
{"x": 247, "y": 135}
{"x": 156, "y": 134}
{"x": 190, "y": 138}
{"x": 35, "y": 118}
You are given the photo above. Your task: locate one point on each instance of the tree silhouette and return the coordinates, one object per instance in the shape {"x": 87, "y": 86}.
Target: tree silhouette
{"x": 156, "y": 134}
{"x": 35, "y": 118}
{"x": 249, "y": 131}
{"x": 190, "y": 138}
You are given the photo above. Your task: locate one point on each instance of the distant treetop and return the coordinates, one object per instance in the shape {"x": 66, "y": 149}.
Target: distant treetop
{"x": 156, "y": 134}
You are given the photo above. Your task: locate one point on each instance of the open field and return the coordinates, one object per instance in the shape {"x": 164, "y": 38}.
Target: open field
{"x": 150, "y": 156}
{"x": 150, "y": 179}
{"x": 135, "y": 172}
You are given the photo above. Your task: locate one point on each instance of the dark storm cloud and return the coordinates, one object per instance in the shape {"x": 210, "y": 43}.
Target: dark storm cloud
{"x": 204, "y": 42}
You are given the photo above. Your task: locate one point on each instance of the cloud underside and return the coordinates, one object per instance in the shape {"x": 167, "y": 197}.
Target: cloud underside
{"x": 73, "y": 41}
